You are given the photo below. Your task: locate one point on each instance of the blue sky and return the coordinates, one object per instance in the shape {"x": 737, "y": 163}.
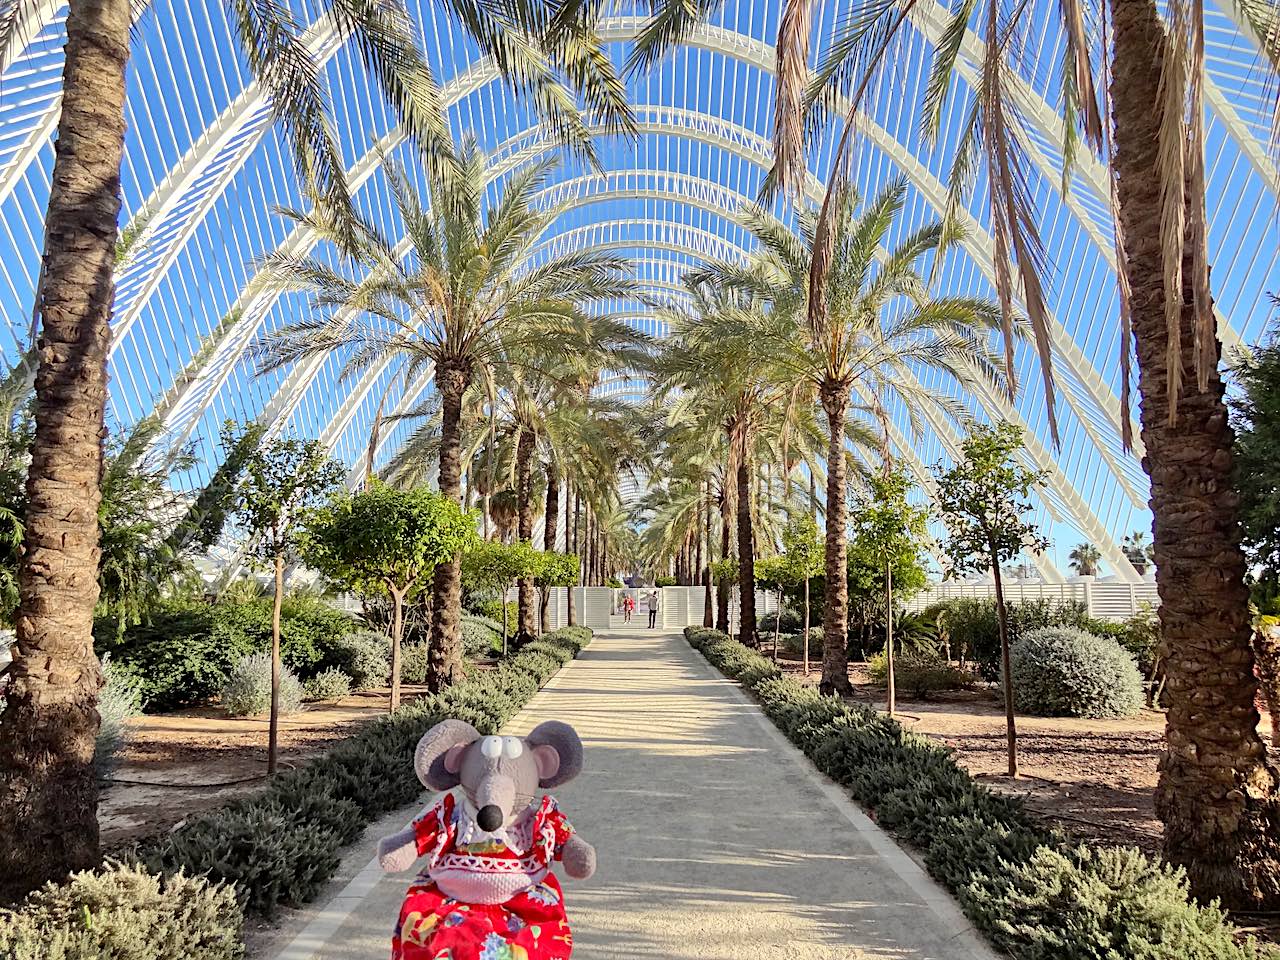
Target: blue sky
{"x": 707, "y": 114}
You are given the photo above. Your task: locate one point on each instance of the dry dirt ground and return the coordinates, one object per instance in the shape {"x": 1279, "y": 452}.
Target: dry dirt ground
{"x": 1093, "y": 778}
{"x": 183, "y": 763}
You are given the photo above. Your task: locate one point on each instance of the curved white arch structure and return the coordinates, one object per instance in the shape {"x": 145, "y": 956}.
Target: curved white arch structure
{"x": 203, "y": 170}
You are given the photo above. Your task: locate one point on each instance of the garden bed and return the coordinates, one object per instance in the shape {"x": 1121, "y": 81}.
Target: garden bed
{"x": 189, "y": 761}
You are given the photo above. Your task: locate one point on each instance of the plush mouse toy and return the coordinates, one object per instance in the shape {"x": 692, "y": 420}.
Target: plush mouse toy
{"x": 487, "y": 892}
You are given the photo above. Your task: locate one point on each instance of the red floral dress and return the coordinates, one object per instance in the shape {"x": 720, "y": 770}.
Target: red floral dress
{"x": 531, "y": 925}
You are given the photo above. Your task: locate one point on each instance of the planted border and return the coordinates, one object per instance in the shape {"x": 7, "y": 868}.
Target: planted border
{"x": 282, "y": 844}
{"x": 1032, "y": 892}
{"x": 277, "y": 846}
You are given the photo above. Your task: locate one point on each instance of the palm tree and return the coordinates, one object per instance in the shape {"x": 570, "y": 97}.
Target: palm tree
{"x": 715, "y": 382}
{"x": 47, "y": 790}
{"x": 465, "y": 306}
{"x": 1138, "y": 550}
{"x": 1141, "y": 110}
{"x": 1085, "y": 559}
{"x": 878, "y": 322}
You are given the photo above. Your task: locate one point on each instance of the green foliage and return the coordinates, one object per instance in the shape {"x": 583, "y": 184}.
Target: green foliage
{"x": 983, "y": 499}
{"x": 1065, "y": 672}
{"x": 1140, "y": 637}
{"x": 280, "y": 846}
{"x": 664, "y": 581}
{"x": 613, "y": 582}
{"x": 1085, "y": 558}
{"x": 205, "y": 518}
{"x": 247, "y": 690}
{"x": 919, "y": 674}
{"x": 1087, "y": 902}
{"x": 803, "y": 548}
{"x": 183, "y": 652}
{"x": 480, "y": 637}
{"x": 329, "y": 684}
{"x": 773, "y": 573}
{"x": 491, "y": 609}
{"x": 1255, "y": 415}
{"x": 119, "y": 700}
{"x": 725, "y": 570}
{"x": 974, "y": 631}
{"x": 122, "y": 912}
{"x": 413, "y": 663}
{"x": 285, "y": 482}
{"x": 1024, "y": 887}
{"x": 364, "y": 656}
{"x": 386, "y": 539}
{"x": 561, "y": 570}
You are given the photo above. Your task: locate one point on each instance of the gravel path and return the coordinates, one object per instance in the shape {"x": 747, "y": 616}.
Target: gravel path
{"x": 717, "y": 840}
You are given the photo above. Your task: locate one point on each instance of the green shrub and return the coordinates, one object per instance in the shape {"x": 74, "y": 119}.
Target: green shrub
{"x": 119, "y": 700}
{"x": 919, "y": 674}
{"x": 973, "y": 628}
{"x": 793, "y": 643}
{"x": 1065, "y": 672}
{"x": 1085, "y": 903}
{"x": 174, "y": 656}
{"x": 120, "y": 912}
{"x": 329, "y": 684}
{"x": 413, "y": 662}
{"x": 280, "y": 845}
{"x": 247, "y": 690}
{"x": 364, "y": 656}
{"x": 1141, "y": 639}
{"x": 1021, "y": 885}
{"x": 479, "y": 639}
{"x": 492, "y": 608}
{"x": 272, "y": 857}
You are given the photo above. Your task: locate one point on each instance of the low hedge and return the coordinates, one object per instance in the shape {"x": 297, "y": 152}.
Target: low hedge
{"x": 280, "y": 845}
{"x": 121, "y": 912}
{"x": 1030, "y": 891}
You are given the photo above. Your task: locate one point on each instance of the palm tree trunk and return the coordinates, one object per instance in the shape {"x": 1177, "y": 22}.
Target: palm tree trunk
{"x": 444, "y": 662}
{"x": 524, "y": 514}
{"x": 1002, "y": 622}
{"x": 835, "y": 614}
{"x": 571, "y": 546}
{"x": 722, "y": 586}
{"x": 1217, "y": 794}
{"x": 708, "y": 607}
{"x": 48, "y": 794}
{"x": 550, "y": 521}
{"x": 273, "y": 722}
{"x": 746, "y": 554}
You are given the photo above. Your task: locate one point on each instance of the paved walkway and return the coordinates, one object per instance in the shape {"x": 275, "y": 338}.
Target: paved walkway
{"x": 717, "y": 840}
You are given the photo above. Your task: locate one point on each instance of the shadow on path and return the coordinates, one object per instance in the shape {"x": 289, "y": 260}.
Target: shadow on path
{"x": 716, "y": 840}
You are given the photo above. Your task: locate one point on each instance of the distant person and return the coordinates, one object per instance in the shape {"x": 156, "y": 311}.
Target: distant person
{"x": 654, "y": 603}
{"x": 628, "y": 607}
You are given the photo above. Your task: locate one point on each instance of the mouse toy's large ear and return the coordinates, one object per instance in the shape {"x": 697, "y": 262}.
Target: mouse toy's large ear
{"x": 558, "y": 750}
{"x": 439, "y": 755}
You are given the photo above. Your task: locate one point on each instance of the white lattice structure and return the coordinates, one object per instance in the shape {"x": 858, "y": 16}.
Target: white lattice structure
{"x": 204, "y": 169}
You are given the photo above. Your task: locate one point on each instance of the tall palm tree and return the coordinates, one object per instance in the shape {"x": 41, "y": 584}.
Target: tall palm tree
{"x": 1137, "y": 548}
{"x": 1085, "y": 558}
{"x": 46, "y": 782}
{"x": 878, "y": 323}
{"x": 465, "y": 305}
{"x": 1138, "y": 104}
{"x": 715, "y": 382}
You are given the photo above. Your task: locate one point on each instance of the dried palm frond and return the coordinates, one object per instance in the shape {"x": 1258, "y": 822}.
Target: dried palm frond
{"x": 794, "y": 31}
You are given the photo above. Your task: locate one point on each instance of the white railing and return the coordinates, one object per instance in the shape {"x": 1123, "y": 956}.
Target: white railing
{"x": 1104, "y": 599}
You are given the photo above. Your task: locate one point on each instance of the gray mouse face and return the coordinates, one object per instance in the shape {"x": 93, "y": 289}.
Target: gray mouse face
{"x": 500, "y": 775}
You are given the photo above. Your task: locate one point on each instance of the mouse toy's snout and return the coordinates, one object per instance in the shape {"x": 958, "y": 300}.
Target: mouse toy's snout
{"x": 489, "y": 817}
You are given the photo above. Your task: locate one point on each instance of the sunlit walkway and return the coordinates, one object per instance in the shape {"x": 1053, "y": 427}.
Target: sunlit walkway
{"x": 716, "y": 839}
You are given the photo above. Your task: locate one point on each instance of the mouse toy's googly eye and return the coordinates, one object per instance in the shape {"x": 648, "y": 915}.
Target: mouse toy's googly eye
{"x": 512, "y": 747}
{"x": 491, "y": 748}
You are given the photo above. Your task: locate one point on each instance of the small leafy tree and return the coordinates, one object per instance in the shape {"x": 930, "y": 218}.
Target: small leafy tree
{"x": 983, "y": 500}
{"x": 806, "y": 558}
{"x": 774, "y": 573}
{"x": 493, "y": 565}
{"x": 557, "y": 570}
{"x": 890, "y": 529}
{"x": 284, "y": 482}
{"x": 388, "y": 541}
